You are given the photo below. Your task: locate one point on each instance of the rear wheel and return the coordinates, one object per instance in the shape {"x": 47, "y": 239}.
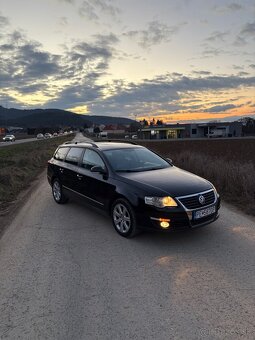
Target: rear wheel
{"x": 123, "y": 218}
{"x": 57, "y": 192}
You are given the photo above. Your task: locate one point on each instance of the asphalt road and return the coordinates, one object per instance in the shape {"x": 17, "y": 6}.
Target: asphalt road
{"x": 18, "y": 141}
{"x": 66, "y": 274}
{"x": 21, "y": 141}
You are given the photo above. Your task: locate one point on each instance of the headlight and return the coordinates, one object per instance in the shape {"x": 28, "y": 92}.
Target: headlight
{"x": 160, "y": 202}
{"x": 215, "y": 190}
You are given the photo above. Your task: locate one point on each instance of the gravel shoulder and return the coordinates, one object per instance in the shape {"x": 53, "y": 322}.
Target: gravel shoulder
{"x": 66, "y": 274}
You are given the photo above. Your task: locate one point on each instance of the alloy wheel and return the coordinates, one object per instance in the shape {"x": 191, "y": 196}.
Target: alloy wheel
{"x": 56, "y": 189}
{"x": 121, "y": 218}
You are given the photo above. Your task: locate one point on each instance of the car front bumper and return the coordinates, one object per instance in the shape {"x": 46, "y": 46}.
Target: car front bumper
{"x": 178, "y": 218}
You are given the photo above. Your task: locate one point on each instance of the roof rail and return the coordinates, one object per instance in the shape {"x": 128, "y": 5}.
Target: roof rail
{"x": 115, "y": 141}
{"x": 83, "y": 142}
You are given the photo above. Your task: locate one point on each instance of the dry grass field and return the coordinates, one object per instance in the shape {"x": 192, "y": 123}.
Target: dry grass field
{"x": 20, "y": 164}
{"x": 228, "y": 164}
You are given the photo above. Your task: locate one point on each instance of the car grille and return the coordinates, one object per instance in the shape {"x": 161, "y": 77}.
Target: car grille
{"x": 192, "y": 202}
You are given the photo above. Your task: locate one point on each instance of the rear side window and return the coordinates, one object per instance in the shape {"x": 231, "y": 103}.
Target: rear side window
{"x": 61, "y": 154}
{"x": 90, "y": 159}
{"x": 74, "y": 156}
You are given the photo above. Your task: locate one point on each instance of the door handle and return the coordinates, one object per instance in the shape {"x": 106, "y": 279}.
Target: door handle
{"x": 79, "y": 176}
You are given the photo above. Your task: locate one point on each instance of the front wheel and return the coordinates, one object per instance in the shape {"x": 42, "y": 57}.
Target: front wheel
{"x": 123, "y": 218}
{"x": 57, "y": 192}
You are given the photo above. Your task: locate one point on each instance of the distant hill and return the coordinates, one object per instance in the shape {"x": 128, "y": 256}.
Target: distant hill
{"x": 106, "y": 120}
{"x": 53, "y": 117}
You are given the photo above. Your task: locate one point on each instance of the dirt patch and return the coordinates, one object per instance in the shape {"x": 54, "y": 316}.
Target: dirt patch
{"x": 10, "y": 209}
{"x": 21, "y": 167}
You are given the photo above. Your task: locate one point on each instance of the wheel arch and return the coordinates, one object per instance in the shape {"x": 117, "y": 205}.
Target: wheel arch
{"x": 131, "y": 199}
{"x": 53, "y": 178}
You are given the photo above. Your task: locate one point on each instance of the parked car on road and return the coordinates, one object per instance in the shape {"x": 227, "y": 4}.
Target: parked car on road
{"x": 9, "y": 138}
{"x": 134, "y": 137}
{"x": 135, "y": 186}
{"x": 40, "y": 136}
{"x": 47, "y": 135}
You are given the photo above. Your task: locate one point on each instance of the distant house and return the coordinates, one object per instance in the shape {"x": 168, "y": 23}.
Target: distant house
{"x": 2, "y": 131}
{"x": 198, "y": 130}
{"x": 114, "y": 129}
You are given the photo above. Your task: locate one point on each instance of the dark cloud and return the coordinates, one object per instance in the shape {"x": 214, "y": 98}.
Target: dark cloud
{"x": 210, "y": 52}
{"x": 240, "y": 41}
{"x": 106, "y": 7}
{"x": 22, "y": 61}
{"x": 220, "y": 108}
{"x": 232, "y": 7}
{"x": 202, "y": 73}
{"x": 106, "y": 40}
{"x": 30, "y": 89}
{"x": 72, "y": 2}
{"x": 72, "y": 79}
{"x": 63, "y": 21}
{"x": 164, "y": 93}
{"x": 248, "y": 29}
{"x": 4, "y": 21}
{"x": 247, "y": 32}
{"x": 217, "y": 36}
{"x": 88, "y": 10}
{"x": 238, "y": 67}
{"x": 26, "y": 68}
{"x": 92, "y": 9}
{"x": 77, "y": 95}
{"x": 155, "y": 34}
{"x": 243, "y": 74}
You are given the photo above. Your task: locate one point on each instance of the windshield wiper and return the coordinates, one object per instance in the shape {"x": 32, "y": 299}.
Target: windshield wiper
{"x": 150, "y": 169}
{"x": 128, "y": 170}
{"x": 139, "y": 170}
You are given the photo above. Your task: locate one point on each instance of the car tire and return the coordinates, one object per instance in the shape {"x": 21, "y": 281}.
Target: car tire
{"x": 123, "y": 218}
{"x": 57, "y": 192}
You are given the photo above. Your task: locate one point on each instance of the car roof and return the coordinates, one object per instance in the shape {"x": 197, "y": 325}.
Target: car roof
{"x": 104, "y": 145}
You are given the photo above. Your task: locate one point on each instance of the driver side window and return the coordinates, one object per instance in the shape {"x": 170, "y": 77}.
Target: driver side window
{"x": 90, "y": 159}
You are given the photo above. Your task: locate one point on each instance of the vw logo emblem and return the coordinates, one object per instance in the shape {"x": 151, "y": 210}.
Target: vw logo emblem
{"x": 201, "y": 199}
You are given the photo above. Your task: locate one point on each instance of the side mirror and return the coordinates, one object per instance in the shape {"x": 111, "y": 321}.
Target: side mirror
{"x": 169, "y": 160}
{"x": 98, "y": 168}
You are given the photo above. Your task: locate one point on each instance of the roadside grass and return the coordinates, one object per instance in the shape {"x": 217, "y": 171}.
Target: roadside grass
{"x": 20, "y": 164}
{"x": 230, "y": 166}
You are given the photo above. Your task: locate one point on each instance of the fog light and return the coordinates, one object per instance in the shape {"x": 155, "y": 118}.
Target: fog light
{"x": 164, "y": 224}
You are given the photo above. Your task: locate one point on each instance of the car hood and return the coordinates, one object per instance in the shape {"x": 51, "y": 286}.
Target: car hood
{"x": 172, "y": 181}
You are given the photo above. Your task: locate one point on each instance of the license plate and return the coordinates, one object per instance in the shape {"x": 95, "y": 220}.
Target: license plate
{"x": 204, "y": 212}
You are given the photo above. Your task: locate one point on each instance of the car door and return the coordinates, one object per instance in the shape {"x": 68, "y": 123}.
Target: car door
{"x": 69, "y": 173}
{"x": 94, "y": 186}
{"x": 58, "y": 165}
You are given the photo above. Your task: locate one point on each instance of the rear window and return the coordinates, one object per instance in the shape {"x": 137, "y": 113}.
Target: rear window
{"x": 74, "y": 156}
{"x": 61, "y": 154}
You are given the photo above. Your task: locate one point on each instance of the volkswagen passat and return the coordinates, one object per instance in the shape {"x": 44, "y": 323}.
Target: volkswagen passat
{"x": 135, "y": 186}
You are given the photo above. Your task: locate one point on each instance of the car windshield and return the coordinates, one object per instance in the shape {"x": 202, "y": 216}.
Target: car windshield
{"x": 134, "y": 160}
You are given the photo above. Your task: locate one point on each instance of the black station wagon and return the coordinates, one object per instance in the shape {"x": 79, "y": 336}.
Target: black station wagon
{"x": 135, "y": 186}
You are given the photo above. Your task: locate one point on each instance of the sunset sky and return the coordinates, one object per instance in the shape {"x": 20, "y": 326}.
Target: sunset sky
{"x": 177, "y": 60}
